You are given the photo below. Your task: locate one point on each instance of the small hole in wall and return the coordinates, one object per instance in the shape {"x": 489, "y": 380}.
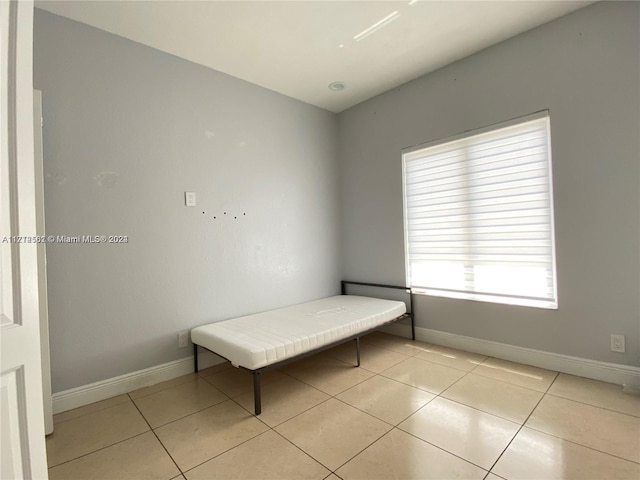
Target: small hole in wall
{"x": 203, "y": 213}
{"x": 236, "y": 217}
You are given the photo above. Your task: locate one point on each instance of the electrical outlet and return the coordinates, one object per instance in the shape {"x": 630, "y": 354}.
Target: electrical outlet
{"x": 617, "y": 343}
{"x": 183, "y": 339}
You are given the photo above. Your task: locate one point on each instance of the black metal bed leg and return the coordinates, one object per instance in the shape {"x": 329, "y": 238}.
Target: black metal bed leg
{"x": 358, "y": 351}
{"x": 257, "y": 401}
{"x": 195, "y": 358}
{"x": 413, "y": 317}
{"x": 413, "y": 328}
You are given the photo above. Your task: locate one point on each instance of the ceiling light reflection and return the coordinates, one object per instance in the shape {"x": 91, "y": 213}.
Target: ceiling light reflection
{"x": 377, "y": 26}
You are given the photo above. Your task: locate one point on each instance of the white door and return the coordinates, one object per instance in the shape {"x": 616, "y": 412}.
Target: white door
{"x": 22, "y": 446}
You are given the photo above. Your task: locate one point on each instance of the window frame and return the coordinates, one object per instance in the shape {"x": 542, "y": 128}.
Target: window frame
{"x": 499, "y": 298}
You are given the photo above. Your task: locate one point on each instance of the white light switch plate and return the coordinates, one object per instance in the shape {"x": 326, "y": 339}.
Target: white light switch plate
{"x": 190, "y": 199}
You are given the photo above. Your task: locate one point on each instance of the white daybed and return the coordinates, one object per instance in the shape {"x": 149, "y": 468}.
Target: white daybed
{"x": 271, "y": 339}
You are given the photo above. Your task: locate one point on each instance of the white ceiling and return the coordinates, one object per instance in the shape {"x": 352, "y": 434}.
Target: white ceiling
{"x": 298, "y": 48}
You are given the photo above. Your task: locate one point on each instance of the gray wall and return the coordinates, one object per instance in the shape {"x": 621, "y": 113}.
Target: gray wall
{"x": 128, "y": 130}
{"x": 585, "y": 69}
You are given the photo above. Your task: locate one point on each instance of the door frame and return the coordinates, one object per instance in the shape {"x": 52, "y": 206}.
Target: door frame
{"x": 22, "y": 444}
{"x": 38, "y": 126}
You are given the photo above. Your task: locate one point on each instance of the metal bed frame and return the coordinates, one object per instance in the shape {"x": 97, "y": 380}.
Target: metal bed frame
{"x": 257, "y": 400}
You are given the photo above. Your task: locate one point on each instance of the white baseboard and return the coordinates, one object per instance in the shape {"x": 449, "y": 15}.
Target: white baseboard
{"x": 94, "y": 392}
{"x": 606, "y": 372}
{"x": 582, "y": 367}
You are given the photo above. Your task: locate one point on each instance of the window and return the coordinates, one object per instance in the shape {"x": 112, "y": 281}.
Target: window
{"x": 478, "y": 215}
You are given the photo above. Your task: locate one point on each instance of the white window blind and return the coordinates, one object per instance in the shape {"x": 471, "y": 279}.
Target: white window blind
{"x": 479, "y": 215}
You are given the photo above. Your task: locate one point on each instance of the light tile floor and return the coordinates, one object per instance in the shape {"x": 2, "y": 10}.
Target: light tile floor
{"x": 411, "y": 411}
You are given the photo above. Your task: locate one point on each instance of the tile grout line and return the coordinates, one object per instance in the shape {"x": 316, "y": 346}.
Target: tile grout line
{"x": 249, "y": 390}
{"x": 466, "y": 372}
{"x": 438, "y": 395}
{"x": 156, "y": 435}
{"x": 510, "y": 383}
{"x": 334, "y": 474}
{"x": 335, "y": 396}
{"x": 483, "y": 411}
{"x": 564, "y": 439}
{"x": 333, "y": 471}
{"x": 412, "y": 414}
{"x": 486, "y": 413}
{"x": 380, "y": 374}
{"x": 392, "y": 427}
{"x": 305, "y": 453}
{"x": 151, "y": 429}
{"x": 495, "y": 475}
{"x": 365, "y": 412}
{"x": 241, "y": 443}
{"x": 128, "y": 399}
{"x": 341, "y": 391}
{"x": 203, "y": 377}
{"x": 442, "y": 449}
{"x": 269, "y": 428}
{"x": 330, "y": 397}
{"x": 97, "y": 450}
{"x": 92, "y": 412}
{"x": 284, "y": 421}
{"x": 199, "y": 375}
{"x": 184, "y": 416}
{"x": 226, "y": 451}
{"x": 164, "y": 389}
{"x": 583, "y": 446}
{"x": 369, "y": 445}
{"x": 592, "y": 405}
{"x": 189, "y": 414}
{"x": 524, "y": 423}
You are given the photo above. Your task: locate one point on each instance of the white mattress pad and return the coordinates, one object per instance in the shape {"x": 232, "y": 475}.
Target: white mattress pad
{"x": 258, "y": 340}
